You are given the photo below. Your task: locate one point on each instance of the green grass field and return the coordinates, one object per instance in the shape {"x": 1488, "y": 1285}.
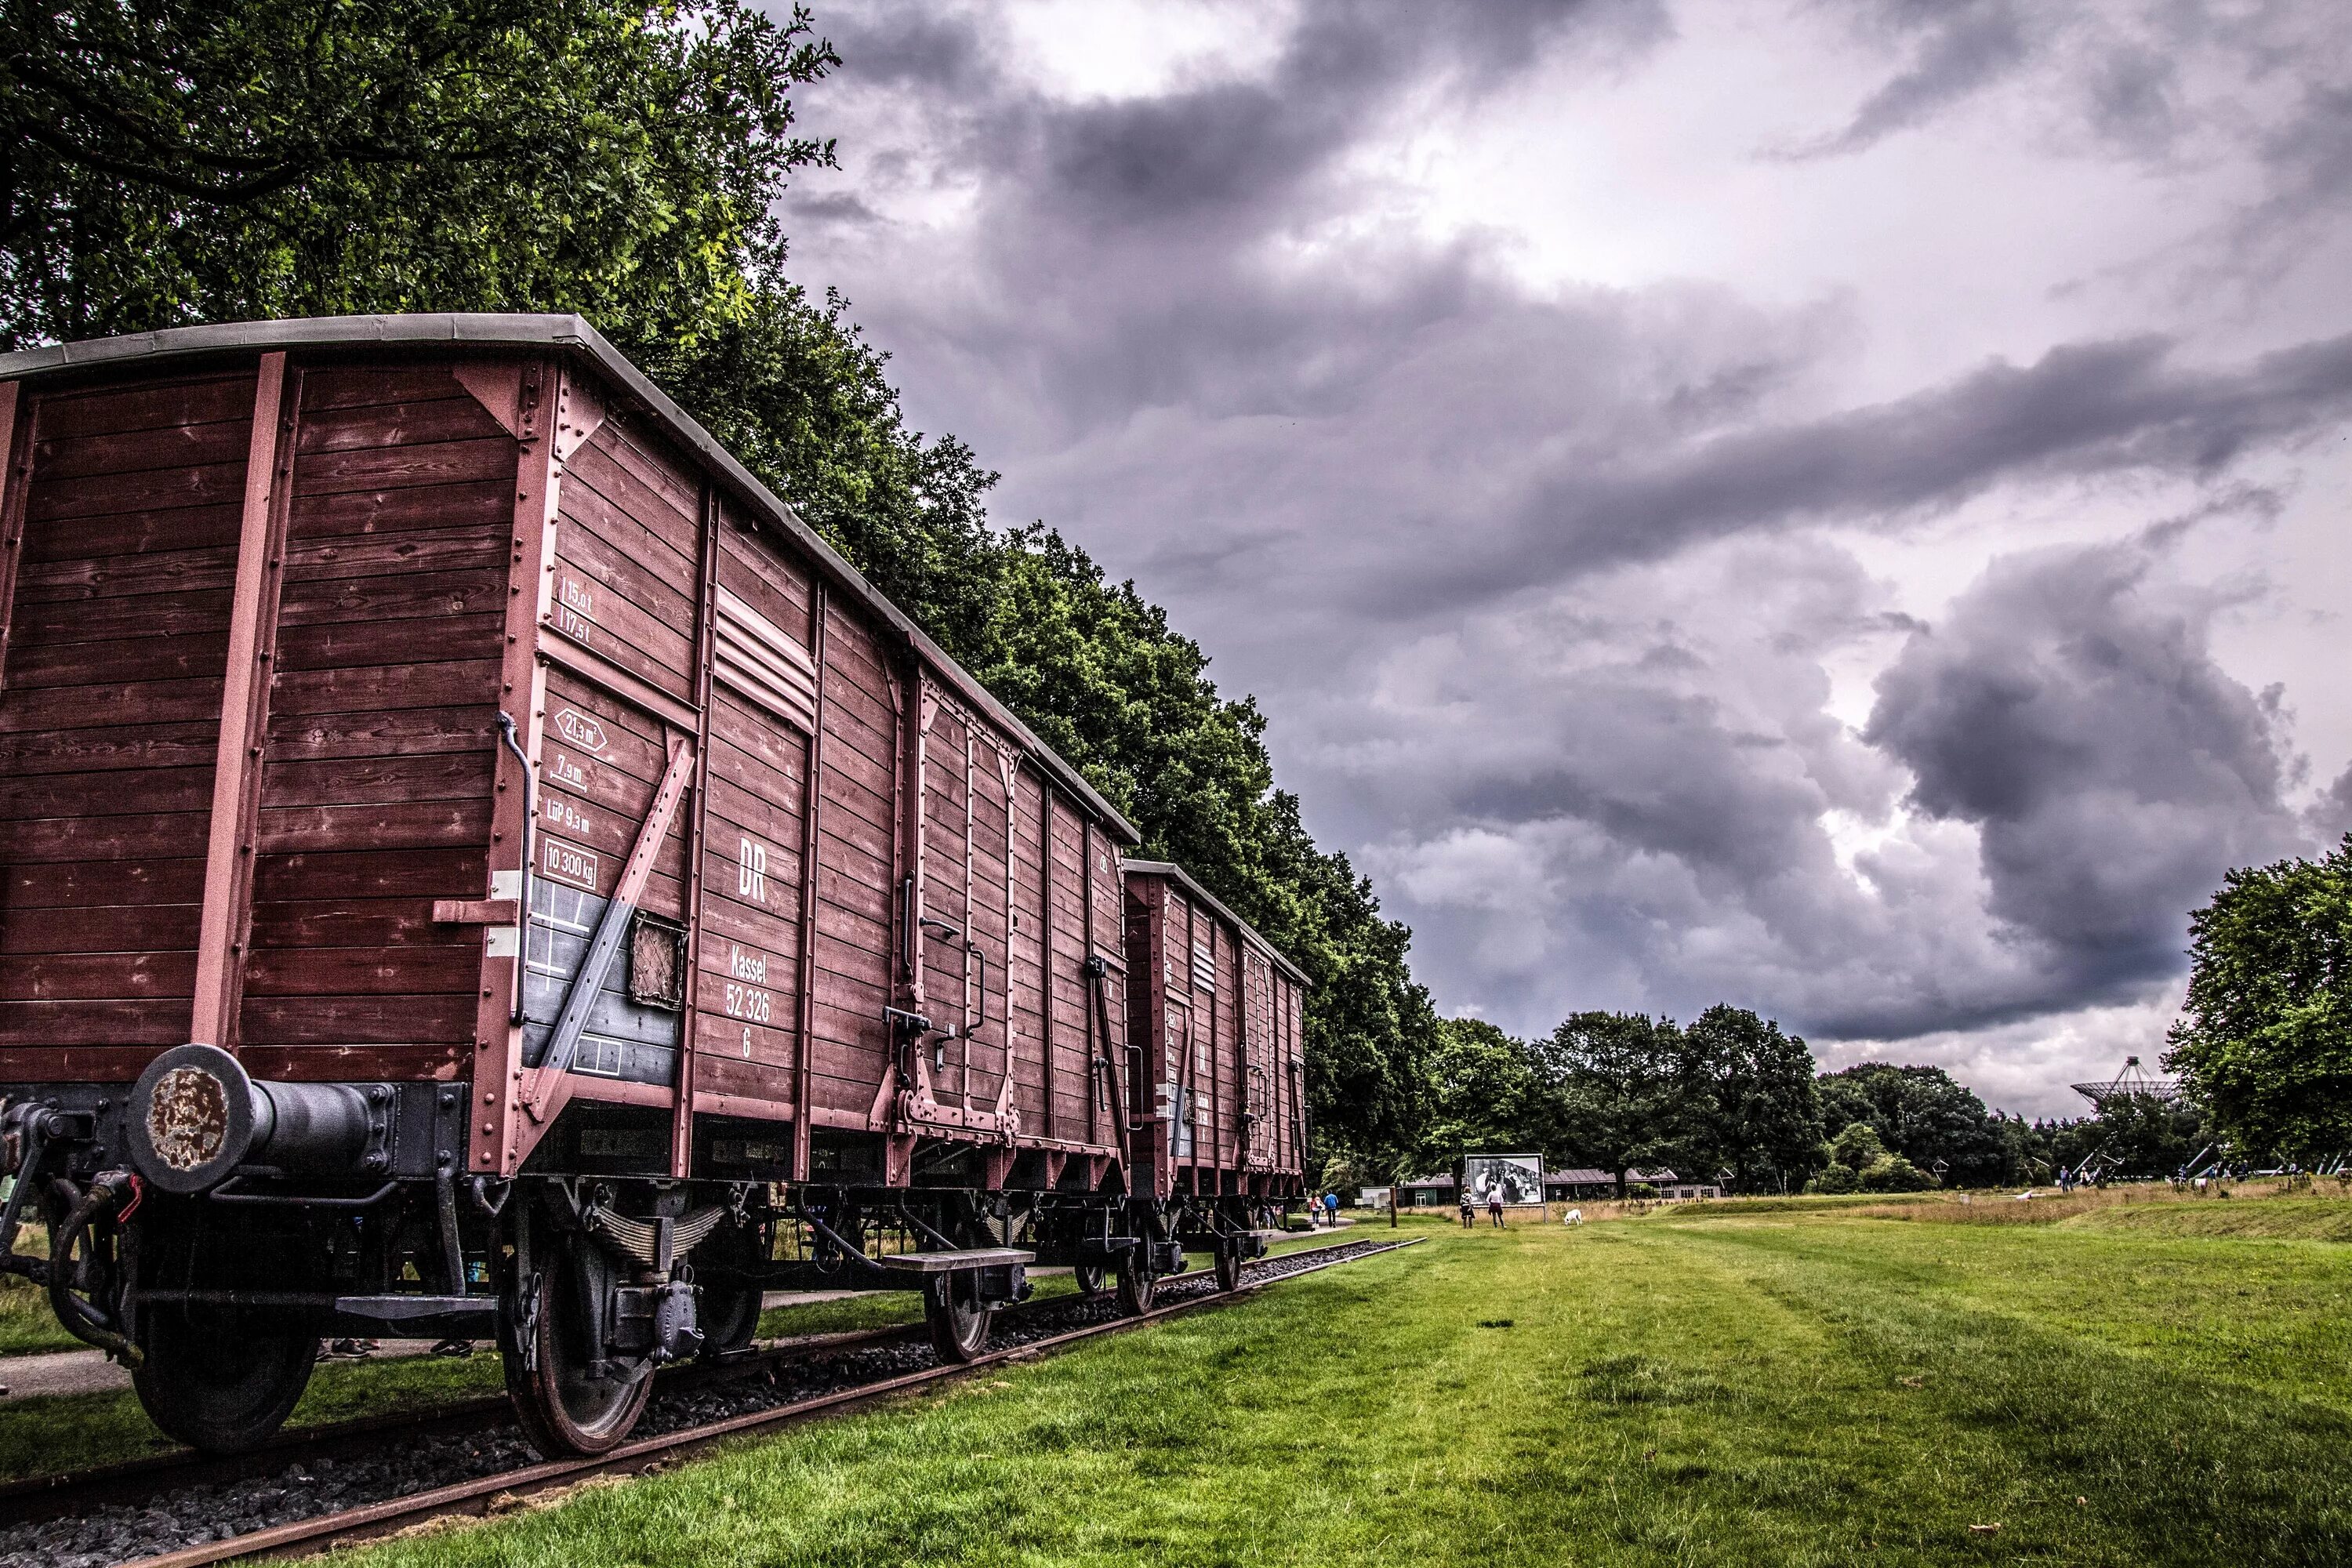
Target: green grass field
{"x": 2166, "y": 1384}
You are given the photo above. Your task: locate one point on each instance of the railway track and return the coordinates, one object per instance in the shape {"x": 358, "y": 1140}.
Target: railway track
{"x": 113, "y": 1515}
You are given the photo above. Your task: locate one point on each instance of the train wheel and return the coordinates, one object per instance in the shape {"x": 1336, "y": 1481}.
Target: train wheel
{"x": 728, "y": 1315}
{"x": 727, "y": 1305}
{"x": 217, "y": 1382}
{"x": 959, "y": 1323}
{"x": 1089, "y": 1277}
{"x": 562, "y": 1403}
{"x": 1229, "y": 1266}
{"x": 1135, "y": 1280}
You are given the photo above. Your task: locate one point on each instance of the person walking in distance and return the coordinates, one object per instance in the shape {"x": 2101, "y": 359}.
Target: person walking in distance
{"x": 1331, "y": 1209}
{"x": 1495, "y": 1207}
{"x": 1469, "y": 1218}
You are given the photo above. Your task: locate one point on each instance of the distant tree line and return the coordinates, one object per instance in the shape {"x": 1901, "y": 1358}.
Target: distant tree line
{"x": 1731, "y": 1096}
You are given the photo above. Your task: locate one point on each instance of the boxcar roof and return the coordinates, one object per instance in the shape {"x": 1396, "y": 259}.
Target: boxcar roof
{"x": 572, "y": 336}
{"x": 1177, "y": 874}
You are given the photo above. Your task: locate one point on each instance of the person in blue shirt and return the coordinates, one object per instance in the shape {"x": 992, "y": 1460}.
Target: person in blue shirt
{"x": 1330, "y": 1208}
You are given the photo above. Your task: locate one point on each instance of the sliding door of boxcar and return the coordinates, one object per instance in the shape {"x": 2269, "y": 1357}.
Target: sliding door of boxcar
{"x": 1256, "y": 1095}
{"x": 1083, "y": 1109}
{"x": 762, "y": 724}
{"x": 1028, "y": 1021}
{"x": 966, "y": 860}
{"x": 850, "y": 981}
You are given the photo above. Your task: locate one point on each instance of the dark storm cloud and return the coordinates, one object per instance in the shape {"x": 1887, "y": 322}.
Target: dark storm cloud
{"x": 911, "y": 46}
{"x": 2075, "y": 717}
{"x": 2081, "y": 410}
{"x": 1962, "y": 46}
{"x": 2151, "y": 80}
{"x": 1222, "y": 148}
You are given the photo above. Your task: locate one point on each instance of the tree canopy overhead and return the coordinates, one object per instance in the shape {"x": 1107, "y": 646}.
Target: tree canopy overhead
{"x": 178, "y": 161}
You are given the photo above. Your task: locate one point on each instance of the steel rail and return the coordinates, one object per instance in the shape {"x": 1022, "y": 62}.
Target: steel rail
{"x": 477, "y": 1496}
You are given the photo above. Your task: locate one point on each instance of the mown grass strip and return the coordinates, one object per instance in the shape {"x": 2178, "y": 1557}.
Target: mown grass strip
{"x": 1810, "y": 1391}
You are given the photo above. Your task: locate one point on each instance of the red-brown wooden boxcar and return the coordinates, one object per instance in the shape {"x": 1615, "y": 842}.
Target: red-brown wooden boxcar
{"x": 1214, "y": 1014}
{"x": 476, "y": 863}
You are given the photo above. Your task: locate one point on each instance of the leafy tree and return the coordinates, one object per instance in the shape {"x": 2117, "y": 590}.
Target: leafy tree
{"x": 1856, "y": 1146}
{"x": 1750, "y": 1101}
{"x": 2264, "y": 1042}
{"x": 1617, "y": 1079}
{"x": 1483, "y": 1092}
{"x": 1894, "y": 1174}
{"x": 2139, "y": 1135}
{"x": 1858, "y": 1162}
{"x": 1923, "y": 1115}
{"x": 180, "y": 160}
{"x": 1834, "y": 1178}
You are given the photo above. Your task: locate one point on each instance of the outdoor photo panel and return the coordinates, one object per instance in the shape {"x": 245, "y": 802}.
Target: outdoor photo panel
{"x": 1519, "y": 1177}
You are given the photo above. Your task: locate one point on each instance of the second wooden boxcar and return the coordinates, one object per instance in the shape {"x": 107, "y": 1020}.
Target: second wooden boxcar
{"x": 1213, "y": 1024}
{"x": 477, "y": 864}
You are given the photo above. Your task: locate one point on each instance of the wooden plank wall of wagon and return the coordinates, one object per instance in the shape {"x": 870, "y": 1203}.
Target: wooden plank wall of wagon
{"x": 1181, "y": 1045}
{"x": 1256, "y": 1064}
{"x": 1102, "y": 853}
{"x": 111, "y": 711}
{"x": 1081, "y": 1107}
{"x": 989, "y": 924}
{"x": 1294, "y": 1073}
{"x": 1032, "y": 1049}
{"x": 1140, "y": 998}
{"x": 748, "y": 988}
{"x": 946, "y": 972}
{"x": 856, "y": 825}
{"x": 1213, "y": 1035}
{"x": 964, "y": 850}
{"x": 994, "y": 832}
{"x": 1288, "y": 1080}
{"x": 1230, "y": 1046}
{"x": 627, "y": 545}
{"x": 1277, "y": 1086}
{"x": 627, "y": 541}
{"x": 376, "y": 771}
{"x": 1216, "y": 1036}
{"x": 627, "y": 554}
{"x": 1284, "y": 1108}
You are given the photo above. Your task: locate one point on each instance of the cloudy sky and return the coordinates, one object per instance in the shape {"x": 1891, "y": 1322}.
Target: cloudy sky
{"x": 1837, "y": 506}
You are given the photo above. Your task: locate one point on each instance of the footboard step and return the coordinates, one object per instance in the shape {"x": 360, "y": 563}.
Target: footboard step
{"x": 951, "y": 1262}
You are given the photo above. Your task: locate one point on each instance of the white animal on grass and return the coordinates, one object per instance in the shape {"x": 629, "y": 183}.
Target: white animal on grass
{"x": 1574, "y": 1217}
